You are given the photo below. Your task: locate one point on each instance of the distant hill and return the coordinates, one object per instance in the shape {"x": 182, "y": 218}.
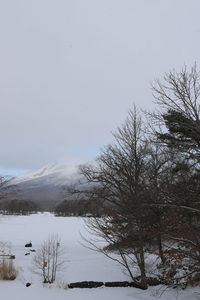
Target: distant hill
{"x": 46, "y": 186}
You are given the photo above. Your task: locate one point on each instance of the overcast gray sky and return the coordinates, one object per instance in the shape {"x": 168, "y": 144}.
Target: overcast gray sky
{"x": 71, "y": 69}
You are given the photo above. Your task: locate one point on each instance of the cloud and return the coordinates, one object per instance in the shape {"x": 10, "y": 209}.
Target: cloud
{"x": 70, "y": 70}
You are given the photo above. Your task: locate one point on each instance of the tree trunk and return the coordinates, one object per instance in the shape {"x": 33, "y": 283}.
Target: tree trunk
{"x": 142, "y": 267}
{"x": 160, "y": 249}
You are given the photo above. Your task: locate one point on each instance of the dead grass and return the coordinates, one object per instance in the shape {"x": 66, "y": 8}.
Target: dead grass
{"x": 7, "y": 270}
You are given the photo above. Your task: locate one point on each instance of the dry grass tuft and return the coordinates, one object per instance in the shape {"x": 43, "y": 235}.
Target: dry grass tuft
{"x": 7, "y": 270}
{"x": 62, "y": 285}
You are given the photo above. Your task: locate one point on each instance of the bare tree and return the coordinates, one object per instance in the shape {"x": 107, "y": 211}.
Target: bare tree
{"x": 119, "y": 179}
{"x": 48, "y": 259}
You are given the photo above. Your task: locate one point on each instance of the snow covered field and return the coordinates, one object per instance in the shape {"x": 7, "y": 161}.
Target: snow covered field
{"x": 81, "y": 263}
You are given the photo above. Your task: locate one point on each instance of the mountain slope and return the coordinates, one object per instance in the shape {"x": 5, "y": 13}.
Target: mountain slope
{"x": 45, "y": 187}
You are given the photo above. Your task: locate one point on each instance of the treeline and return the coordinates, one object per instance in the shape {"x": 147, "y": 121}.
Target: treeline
{"x": 19, "y": 207}
{"x": 83, "y": 208}
{"x": 150, "y": 176}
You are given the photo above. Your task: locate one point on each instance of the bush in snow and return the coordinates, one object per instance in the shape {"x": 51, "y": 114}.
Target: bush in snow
{"x": 180, "y": 268}
{"x": 7, "y": 270}
{"x": 48, "y": 259}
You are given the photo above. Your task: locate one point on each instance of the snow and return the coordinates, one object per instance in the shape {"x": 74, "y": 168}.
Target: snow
{"x": 80, "y": 263}
{"x": 59, "y": 169}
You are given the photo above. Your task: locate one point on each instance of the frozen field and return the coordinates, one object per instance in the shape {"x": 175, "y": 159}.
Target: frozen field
{"x": 81, "y": 263}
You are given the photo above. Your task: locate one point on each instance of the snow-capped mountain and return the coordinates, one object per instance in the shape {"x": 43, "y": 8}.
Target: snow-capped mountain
{"x": 46, "y": 187}
{"x": 55, "y": 173}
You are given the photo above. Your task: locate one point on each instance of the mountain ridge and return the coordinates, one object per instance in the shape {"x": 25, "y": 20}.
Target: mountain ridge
{"x": 46, "y": 186}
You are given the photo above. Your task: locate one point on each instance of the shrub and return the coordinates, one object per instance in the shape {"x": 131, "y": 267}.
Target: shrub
{"x": 7, "y": 270}
{"x": 48, "y": 259}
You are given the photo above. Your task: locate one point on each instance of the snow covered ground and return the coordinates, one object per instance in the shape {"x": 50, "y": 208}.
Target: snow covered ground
{"x": 81, "y": 264}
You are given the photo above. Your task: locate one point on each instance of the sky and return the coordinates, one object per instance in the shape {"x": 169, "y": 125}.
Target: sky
{"x": 71, "y": 69}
